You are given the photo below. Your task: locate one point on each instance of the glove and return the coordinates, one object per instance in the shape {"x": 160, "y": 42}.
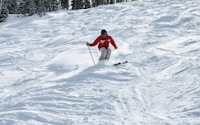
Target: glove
{"x": 87, "y": 44}
{"x": 116, "y": 47}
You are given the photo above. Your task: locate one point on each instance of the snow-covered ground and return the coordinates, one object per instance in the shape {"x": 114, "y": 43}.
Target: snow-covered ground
{"x": 48, "y": 78}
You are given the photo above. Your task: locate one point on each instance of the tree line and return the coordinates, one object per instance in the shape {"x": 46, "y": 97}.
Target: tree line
{"x": 40, "y": 7}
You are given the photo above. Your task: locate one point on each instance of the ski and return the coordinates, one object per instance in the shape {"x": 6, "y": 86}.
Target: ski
{"x": 120, "y": 63}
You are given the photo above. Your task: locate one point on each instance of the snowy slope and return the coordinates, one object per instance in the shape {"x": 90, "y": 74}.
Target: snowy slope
{"x": 48, "y": 78}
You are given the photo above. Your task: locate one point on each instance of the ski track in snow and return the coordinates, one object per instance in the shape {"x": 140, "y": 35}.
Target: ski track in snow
{"x": 48, "y": 78}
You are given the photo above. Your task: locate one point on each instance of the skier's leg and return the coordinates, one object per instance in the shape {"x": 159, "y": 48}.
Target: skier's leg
{"x": 103, "y": 53}
{"x": 108, "y": 54}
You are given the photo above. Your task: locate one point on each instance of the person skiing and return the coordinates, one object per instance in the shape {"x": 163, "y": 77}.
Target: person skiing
{"x": 103, "y": 42}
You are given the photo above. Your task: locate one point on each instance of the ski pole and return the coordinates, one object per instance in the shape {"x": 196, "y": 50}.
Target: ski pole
{"x": 91, "y": 55}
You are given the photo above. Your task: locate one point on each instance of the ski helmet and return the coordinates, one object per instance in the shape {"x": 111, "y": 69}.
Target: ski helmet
{"x": 103, "y": 31}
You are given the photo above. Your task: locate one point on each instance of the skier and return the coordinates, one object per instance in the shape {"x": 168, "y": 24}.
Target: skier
{"x": 103, "y": 42}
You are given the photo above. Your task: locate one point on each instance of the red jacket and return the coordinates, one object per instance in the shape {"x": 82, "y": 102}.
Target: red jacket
{"x": 103, "y": 42}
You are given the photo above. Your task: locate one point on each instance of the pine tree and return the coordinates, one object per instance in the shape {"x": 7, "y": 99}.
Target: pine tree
{"x": 53, "y": 5}
{"x": 87, "y": 4}
{"x": 27, "y": 7}
{"x": 76, "y": 4}
{"x": 3, "y": 11}
{"x": 40, "y": 8}
{"x": 12, "y": 6}
{"x": 119, "y": 1}
{"x": 65, "y": 4}
{"x": 94, "y": 3}
{"x": 1, "y": 6}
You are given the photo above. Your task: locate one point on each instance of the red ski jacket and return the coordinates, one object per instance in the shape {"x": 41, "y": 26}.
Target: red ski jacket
{"x": 103, "y": 42}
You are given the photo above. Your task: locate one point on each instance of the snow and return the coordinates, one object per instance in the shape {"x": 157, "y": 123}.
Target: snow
{"x": 48, "y": 77}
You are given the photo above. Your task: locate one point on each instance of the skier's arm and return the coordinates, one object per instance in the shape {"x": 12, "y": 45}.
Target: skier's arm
{"x": 94, "y": 43}
{"x": 113, "y": 43}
